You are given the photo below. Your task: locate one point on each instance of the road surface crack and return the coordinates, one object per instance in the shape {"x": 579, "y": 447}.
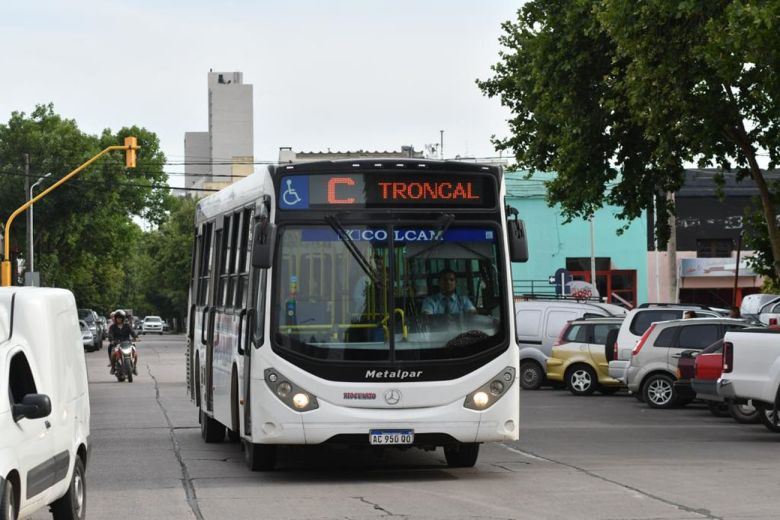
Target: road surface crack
{"x": 375, "y": 506}
{"x": 705, "y": 513}
{"x": 186, "y": 481}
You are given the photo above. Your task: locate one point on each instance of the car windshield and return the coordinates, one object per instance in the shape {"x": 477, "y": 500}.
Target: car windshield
{"x": 86, "y": 315}
{"x": 152, "y": 318}
{"x": 355, "y": 294}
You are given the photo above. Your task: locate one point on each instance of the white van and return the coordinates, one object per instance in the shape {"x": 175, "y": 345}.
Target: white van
{"x": 540, "y": 322}
{"x": 44, "y": 404}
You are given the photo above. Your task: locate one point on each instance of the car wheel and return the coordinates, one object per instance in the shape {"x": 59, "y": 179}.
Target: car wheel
{"x": 581, "y": 380}
{"x": 769, "y": 417}
{"x": 8, "y": 502}
{"x": 73, "y": 505}
{"x": 658, "y": 391}
{"x": 718, "y": 408}
{"x": 531, "y": 375}
{"x": 463, "y": 455}
{"x": 744, "y": 413}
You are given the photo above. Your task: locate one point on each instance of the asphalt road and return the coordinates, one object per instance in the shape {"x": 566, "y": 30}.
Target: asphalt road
{"x": 593, "y": 457}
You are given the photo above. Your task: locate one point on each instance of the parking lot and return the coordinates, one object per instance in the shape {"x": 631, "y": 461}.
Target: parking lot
{"x": 597, "y": 457}
{"x": 704, "y": 466}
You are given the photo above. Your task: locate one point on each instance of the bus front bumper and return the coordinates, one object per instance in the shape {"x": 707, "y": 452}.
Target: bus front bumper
{"x": 331, "y": 423}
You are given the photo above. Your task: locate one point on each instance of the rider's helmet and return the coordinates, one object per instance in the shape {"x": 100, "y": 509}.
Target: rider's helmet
{"x": 120, "y": 314}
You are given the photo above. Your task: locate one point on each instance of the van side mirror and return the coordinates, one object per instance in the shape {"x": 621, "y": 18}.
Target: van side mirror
{"x": 264, "y": 240}
{"x": 34, "y": 406}
{"x": 518, "y": 242}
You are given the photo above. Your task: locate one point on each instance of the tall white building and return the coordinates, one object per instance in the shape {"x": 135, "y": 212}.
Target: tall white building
{"x": 218, "y": 157}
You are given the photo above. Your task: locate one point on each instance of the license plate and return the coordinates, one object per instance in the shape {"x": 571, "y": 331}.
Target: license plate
{"x": 390, "y": 437}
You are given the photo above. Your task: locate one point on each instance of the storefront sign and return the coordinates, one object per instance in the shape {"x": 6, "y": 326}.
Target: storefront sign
{"x": 698, "y": 267}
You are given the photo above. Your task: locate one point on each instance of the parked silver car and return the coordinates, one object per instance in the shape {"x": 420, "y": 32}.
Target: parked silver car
{"x": 636, "y": 324}
{"x": 87, "y": 337}
{"x": 652, "y": 368}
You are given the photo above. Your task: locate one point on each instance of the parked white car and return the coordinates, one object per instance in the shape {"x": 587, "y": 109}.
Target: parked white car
{"x": 44, "y": 404}
{"x": 152, "y": 324}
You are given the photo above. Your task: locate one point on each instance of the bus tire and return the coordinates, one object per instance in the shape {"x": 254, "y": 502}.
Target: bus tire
{"x": 462, "y": 455}
{"x": 211, "y": 429}
{"x": 531, "y": 375}
{"x": 259, "y": 457}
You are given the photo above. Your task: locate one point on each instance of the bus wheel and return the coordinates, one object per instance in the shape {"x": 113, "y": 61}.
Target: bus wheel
{"x": 259, "y": 457}
{"x": 211, "y": 429}
{"x": 462, "y": 455}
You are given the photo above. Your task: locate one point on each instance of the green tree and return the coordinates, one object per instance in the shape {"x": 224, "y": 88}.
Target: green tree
{"x": 85, "y": 228}
{"x": 167, "y": 260}
{"x": 616, "y": 96}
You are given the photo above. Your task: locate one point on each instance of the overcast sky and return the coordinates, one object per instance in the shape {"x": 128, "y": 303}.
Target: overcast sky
{"x": 338, "y": 74}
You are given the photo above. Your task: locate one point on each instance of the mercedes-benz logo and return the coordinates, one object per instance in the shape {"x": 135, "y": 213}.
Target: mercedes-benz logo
{"x": 393, "y": 396}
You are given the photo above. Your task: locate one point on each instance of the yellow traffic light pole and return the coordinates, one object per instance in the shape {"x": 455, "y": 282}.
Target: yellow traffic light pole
{"x": 130, "y": 146}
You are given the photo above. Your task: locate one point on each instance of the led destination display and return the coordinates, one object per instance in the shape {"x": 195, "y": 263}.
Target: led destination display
{"x": 301, "y": 192}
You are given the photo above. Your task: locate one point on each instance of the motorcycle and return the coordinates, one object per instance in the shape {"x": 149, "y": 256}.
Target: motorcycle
{"x": 123, "y": 357}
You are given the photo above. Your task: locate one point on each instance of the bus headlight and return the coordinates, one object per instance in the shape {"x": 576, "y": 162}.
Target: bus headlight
{"x": 289, "y": 393}
{"x": 300, "y": 401}
{"x": 486, "y": 395}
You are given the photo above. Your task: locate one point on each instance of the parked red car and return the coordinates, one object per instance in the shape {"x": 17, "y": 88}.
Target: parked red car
{"x": 708, "y": 366}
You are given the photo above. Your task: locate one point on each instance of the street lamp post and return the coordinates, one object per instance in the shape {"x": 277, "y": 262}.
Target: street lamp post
{"x": 30, "y": 247}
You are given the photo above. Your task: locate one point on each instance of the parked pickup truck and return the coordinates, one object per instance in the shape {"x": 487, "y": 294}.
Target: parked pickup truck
{"x": 751, "y": 370}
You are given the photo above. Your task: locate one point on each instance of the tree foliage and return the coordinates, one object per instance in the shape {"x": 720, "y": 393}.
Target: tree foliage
{"x": 616, "y": 96}
{"x": 167, "y": 259}
{"x": 84, "y": 230}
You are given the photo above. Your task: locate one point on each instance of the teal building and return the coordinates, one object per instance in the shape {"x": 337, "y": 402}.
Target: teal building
{"x": 621, "y": 260}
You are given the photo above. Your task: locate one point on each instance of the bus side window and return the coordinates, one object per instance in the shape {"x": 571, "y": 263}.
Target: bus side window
{"x": 258, "y": 319}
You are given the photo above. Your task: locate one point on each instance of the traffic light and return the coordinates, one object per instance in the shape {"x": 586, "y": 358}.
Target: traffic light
{"x": 132, "y": 146}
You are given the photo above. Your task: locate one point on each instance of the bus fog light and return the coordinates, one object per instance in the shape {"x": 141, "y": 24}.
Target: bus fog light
{"x": 284, "y": 389}
{"x": 496, "y": 387}
{"x": 481, "y": 399}
{"x": 301, "y": 401}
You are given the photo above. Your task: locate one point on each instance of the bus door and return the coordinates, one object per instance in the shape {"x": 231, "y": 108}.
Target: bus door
{"x": 209, "y": 316}
{"x": 201, "y": 309}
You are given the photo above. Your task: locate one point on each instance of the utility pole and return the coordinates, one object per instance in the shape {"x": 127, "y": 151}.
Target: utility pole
{"x": 671, "y": 252}
{"x": 29, "y": 215}
{"x": 441, "y": 144}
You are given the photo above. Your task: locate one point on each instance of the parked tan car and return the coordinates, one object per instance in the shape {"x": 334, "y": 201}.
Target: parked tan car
{"x": 578, "y": 356}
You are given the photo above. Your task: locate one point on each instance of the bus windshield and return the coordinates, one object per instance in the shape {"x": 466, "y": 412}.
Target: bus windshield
{"x": 354, "y": 294}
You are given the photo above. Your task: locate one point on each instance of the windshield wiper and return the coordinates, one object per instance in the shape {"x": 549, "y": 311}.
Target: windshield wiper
{"x": 362, "y": 261}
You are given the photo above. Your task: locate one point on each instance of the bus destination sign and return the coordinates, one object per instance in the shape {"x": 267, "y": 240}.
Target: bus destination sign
{"x": 301, "y": 192}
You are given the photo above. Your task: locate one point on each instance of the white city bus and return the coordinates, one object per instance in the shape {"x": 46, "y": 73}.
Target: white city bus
{"x": 316, "y": 312}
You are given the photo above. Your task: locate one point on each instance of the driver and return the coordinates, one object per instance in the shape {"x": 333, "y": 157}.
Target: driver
{"x": 447, "y": 301}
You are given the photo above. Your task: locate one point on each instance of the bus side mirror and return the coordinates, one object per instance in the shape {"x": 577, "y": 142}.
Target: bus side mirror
{"x": 264, "y": 239}
{"x": 518, "y": 243}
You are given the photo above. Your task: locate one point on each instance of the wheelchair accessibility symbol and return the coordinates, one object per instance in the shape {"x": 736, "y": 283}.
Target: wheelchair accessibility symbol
{"x": 295, "y": 193}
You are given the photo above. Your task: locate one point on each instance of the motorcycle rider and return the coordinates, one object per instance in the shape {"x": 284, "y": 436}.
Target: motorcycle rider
{"x": 122, "y": 331}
